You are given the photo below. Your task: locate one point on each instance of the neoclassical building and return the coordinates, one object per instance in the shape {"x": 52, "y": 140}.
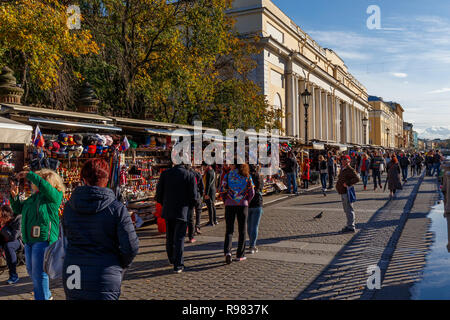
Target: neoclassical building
{"x": 386, "y": 123}
{"x": 290, "y": 62}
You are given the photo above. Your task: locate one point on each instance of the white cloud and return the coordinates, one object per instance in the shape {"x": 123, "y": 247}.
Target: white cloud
{"x": 399, "y": 74}
{"x": 443, "y": 90}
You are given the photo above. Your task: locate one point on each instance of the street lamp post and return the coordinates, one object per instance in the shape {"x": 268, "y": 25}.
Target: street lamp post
{"x": 365, "y": 121}
{"x": 306, "y": 96}
{"x": 387, "y": 134}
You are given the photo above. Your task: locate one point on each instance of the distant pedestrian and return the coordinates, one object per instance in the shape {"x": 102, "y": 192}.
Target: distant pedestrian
{"x": 331, "y": 165}
{"x": 237, "y": 191}
{"x": 419, "y": 161}
{"x": 376, "y": 170}
{"x": 194, "y": 224}
{"x": 404, "y": 163}
{"x": 437, "y": 160}
{"x": 176, "y": 191}
{"x": 412, "y": 160}
{"x": 323, "y": 167}
{"x": 305, "y": 172}
{"x": 347, "y": 178}
{"x": 209, "y": 181}
{"x": 290, "y": 168}
{"x": 393, "y": 177}
{"x": 101, "y": 238}
{"x": 365, "y": 169}
{"x": 255, "y": 208}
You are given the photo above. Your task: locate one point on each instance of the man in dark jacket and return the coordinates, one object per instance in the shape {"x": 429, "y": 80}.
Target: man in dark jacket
{"x": 177, "y": 193}
{"x": 291, "y": 169}
{"x": 210, "y": 193}
{"x": 404, "y": 163}
{"x": 347, "y": 178}
{"x": 101, "y": 239}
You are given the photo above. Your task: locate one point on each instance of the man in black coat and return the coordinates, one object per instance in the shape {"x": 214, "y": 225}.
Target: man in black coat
{"x": 177, "y": 193}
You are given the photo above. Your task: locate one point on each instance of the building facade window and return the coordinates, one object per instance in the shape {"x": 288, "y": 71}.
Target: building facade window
{"x": 276, "y": 78}
{"x": 275, "y": 33}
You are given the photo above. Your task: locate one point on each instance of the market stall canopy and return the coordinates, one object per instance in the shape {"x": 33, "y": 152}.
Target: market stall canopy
{"x": 19, "y": 109}
{"x": 74, "y": 124}
{"x": 14, "y": 132}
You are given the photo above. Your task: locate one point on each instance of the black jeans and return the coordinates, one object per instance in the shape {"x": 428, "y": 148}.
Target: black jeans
{"x": 10, "y": 249}
{"x": 376, "y": 174}
{"x": 210, "y": 203}
{"x": 330, "y": 177}
{"x": 191, "y": 226}
{"x": 241, "y": 213}
{"x": 175, "y": 234}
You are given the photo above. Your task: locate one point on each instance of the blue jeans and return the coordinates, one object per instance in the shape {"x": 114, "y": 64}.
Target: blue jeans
{"x": 254, "y": 217}
{"x": 323, "y": 179}
{"x": 436, "y": 168}
{"x": 365, "y": 178}
{"x": 291, "y": 179}
{"x": 405, "y": 173}
{"x": 34, "y": 257}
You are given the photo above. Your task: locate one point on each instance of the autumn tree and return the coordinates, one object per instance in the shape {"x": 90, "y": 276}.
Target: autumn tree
{"x": 36, "y": 40}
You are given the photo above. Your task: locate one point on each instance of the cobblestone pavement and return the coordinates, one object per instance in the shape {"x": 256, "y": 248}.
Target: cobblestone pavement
{"x": 299, "y": 257}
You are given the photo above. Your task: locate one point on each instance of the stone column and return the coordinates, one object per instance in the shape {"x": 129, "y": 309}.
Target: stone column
{"x": 312, "y": 113}
{"x": 289, "y": 103}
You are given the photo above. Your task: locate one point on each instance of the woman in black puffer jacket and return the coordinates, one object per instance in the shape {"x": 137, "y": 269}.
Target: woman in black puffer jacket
{"x": 101, "y": 239}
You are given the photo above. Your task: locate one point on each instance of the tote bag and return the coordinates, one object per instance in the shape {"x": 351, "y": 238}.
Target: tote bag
{"x": 54, "y": 256}
{"x": 351, "y": 194}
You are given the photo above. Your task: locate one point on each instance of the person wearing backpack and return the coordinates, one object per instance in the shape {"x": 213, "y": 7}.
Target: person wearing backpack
{"x": 40, "y": 222}
{"x": 101, "y": 239}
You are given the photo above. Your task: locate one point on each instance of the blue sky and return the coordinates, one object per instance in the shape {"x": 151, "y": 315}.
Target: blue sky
{"x": 407, "y": 61}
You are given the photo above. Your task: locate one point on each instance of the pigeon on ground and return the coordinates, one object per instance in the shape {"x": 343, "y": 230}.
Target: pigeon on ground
{"x": 319, "y": 215}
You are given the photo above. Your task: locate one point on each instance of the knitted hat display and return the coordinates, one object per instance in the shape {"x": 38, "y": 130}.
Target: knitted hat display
{"x": 109, "y": 141}
{"x": 63, "y": 139}
{"x": 78, "y": 138}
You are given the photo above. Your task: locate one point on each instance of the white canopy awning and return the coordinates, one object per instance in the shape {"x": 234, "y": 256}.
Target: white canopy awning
{"x": 14, "y": 132}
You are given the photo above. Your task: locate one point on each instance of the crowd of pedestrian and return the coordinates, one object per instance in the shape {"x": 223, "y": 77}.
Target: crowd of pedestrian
{"x": 102, "y": 241}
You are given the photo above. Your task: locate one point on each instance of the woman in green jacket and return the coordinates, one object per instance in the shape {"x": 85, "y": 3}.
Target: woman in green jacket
{"x": 40, "y": 223}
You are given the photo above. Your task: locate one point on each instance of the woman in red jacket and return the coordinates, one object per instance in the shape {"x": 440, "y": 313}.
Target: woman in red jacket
{"x": 305, "y": 172}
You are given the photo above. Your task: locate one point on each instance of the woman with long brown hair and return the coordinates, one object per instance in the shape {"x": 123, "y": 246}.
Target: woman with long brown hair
{"x": 237, "y": 191}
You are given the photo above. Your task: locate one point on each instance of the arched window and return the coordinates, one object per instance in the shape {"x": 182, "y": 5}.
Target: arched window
{"x": 277, "y": 105}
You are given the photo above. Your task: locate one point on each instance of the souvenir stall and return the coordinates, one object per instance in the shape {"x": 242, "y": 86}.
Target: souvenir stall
{"x": 140, "y": 168}
{"x": 66, "y": 153}
{"x": 13, "y": 140}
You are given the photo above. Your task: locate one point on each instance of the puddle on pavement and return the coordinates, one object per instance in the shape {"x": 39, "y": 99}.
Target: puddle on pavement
{"x": 435, "y": 284}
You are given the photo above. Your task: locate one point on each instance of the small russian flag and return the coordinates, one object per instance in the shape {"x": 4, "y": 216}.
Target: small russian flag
{"x": 38, "y": 138}
{"x": 125, "y": 144}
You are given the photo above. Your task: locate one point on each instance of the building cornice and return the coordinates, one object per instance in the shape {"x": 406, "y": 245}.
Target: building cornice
{"x": 305, "y": 62}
